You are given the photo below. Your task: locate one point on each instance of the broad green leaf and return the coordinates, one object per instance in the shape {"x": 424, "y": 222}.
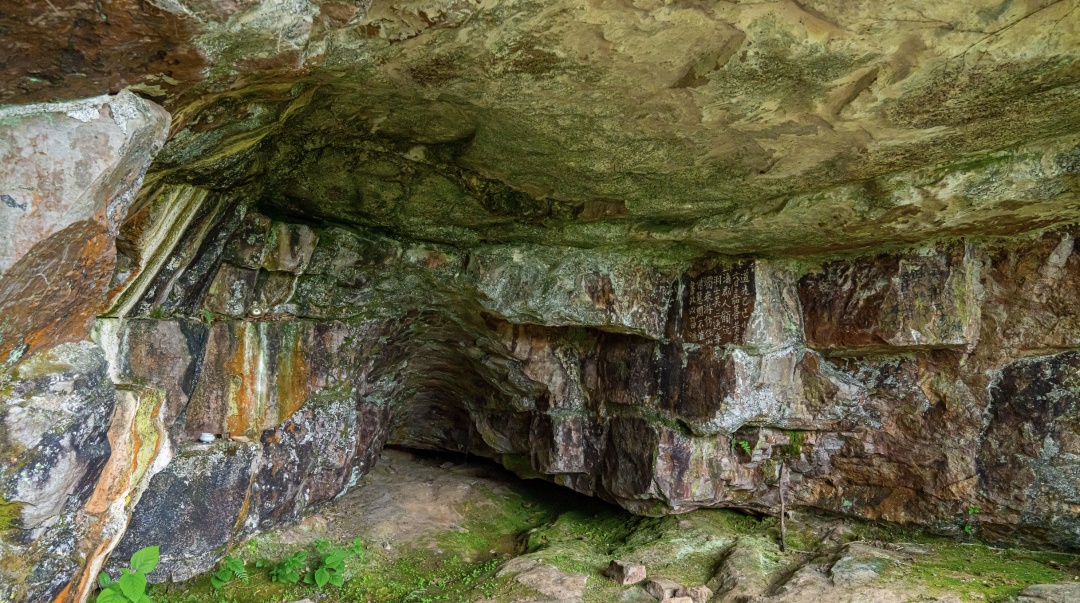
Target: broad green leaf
{"x": 145, "y": 560}
{"x": 133, "y": 585}
{"x": 110, "y": 596}
{"x": 104, "y": 580}
{"x": 145, "y": 599}
{"x": 337, "y": 580}
{"x": 216, "y": 582}
{"x": 321, "y": 577}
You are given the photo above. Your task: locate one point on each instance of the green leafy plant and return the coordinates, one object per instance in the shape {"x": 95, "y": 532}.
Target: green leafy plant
{"x": 971, "y": 511}
{"x": 744, "y": 445}
{"x": 231, "y": 567}
{"x": 131, "y": 587}
{"x": 287, "y": 570}
{"x": 331, "y": 563}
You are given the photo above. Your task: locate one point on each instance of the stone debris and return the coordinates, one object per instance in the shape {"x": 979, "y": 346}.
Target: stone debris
{"x": 662, "y": 588}
{"x": 696, "y": 594}
{"x": 1064, "y": 592}
{"x": 625, "y": 573}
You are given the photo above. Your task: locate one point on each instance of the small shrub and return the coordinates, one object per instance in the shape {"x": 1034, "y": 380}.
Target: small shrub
{"x": 131, "y": 587}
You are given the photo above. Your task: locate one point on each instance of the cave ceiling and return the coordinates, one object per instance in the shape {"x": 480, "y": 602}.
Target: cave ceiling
{"x": 741, "y": 127}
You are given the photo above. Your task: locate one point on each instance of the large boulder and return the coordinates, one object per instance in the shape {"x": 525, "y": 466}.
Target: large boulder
{"x": 71, "y": 171}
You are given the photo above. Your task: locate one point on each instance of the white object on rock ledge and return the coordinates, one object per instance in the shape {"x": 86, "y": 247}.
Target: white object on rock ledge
{"x": 206, "y": 438}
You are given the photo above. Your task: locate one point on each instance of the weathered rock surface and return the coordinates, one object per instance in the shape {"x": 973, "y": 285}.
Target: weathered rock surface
{"x": 54, "y": 420}
{"x": 551, "y": 583}
{"x": 626, "y": 573}
{"x": 1050, "y": 593}
{"x": 71, "y": 171}
{"x": 667, "y": 254}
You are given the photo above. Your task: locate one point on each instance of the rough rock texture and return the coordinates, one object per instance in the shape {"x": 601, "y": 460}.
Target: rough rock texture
{"x": 625, "y": 573}
{"x": 70, "y": 173}
{"x": 1050, "y": 593}
{"x": 740, "y": 126}
{"x": 552, "y": 584}
{"x": 71, "y": 170}
{"x": 54, "y": 418}
{"x": 673, "y": 255}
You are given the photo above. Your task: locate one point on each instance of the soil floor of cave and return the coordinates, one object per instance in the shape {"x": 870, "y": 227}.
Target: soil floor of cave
{"x": 443, "y": 528}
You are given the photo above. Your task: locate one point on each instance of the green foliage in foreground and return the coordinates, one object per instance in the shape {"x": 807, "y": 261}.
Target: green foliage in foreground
{"x": 131, "y": 587}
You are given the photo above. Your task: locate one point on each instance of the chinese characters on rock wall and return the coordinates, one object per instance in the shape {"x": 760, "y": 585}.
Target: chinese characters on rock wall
{"x": 718, "y": 304}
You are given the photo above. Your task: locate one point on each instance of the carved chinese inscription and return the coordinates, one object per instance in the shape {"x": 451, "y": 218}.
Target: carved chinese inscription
{"x": 718, "y": 304}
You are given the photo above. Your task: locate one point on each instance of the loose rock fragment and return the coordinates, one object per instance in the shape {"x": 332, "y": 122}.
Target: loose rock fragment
{"x": 626, "y": 573}
{"x": 662, "y": 588}
{"x": 697, "y": 594}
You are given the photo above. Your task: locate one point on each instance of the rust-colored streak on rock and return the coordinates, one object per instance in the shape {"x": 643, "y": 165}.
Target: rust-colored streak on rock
{"x": 243, "y": 402}
{"x": 66, "y": 50}
{"x": 293, "y": 376}
{"x": 121, "y": 479}
{"x": 52, "y": 294}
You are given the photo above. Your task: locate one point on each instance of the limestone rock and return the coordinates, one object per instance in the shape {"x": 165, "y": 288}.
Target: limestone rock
{"x": 662, "y": 588}
{"x": 626, "y": 573}
{"x": 54, "y": 420}
{"x": 1050, "y": 593}
{"x": 71, "y": 170}
{"x": 695, "y": 594}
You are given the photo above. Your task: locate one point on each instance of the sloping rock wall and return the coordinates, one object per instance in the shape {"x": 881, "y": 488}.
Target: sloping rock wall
{"x": 883, "y": 384}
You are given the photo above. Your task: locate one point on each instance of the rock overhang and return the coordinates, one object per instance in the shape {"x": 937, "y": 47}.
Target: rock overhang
{"x": 781, "y": 127}
{"x": 651, "y": 252}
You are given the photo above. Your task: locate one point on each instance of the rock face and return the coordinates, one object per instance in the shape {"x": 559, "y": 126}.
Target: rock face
{"x": 71, "y": 170}
{"x": 55, "y": 417}
{"x": 667, "y": 254}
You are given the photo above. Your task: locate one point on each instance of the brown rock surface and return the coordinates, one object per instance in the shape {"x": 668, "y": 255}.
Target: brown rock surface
{"x": 626, "y": 573}
{"x": 673, "y": 255}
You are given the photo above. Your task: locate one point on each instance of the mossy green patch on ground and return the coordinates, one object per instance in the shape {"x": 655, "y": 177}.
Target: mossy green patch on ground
{"x": 499, "y": 519}
{"x": 413, "y": 576}
{"x": 979, "y": 572}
